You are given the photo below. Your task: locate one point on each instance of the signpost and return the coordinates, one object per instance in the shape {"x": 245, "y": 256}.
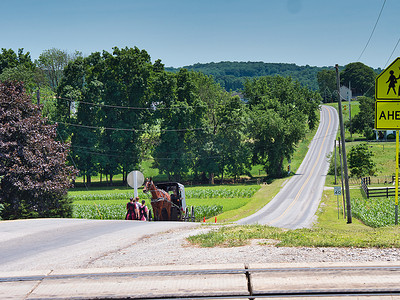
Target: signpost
{"x": 337, "y": 190}
{"x": 387, "y": 111}
{"x": 135, "y": 179}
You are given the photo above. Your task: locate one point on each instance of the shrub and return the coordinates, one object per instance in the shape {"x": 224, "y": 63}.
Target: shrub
{"x": 33, "y": 171}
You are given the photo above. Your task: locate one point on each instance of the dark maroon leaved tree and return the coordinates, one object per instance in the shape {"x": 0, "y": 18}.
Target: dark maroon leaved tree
{"x": 34, "y": 177}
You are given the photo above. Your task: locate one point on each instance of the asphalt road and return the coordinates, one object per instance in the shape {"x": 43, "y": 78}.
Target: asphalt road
{"x": 297, "y": 202}
{"x": 41, "y": 244}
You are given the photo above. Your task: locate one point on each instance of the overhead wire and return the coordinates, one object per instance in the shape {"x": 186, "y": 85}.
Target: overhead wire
{"x": 127, "y": 107}
{"x": 373, "y": 30}
{"x": 100, "y": 152}
{"x": 394, "y": 49}
{"x": 142, "y": 130}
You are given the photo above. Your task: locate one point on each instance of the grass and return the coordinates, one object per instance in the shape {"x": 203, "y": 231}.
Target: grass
{"x": 255, "y": 203}
{"x": 372, "y": 220}
{"x": 330, "y": 231}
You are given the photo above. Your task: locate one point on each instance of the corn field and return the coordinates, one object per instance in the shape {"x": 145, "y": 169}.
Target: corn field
{"x": 112, "y": 205}
{"x": 374, "y": 212}
{"x": 117, "y": 212}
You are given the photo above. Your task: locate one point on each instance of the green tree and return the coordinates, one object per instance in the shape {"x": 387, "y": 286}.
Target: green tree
{"x": 180, "y": 119}
{"x": 34, "y": 177}
{"x": 361, "y": 78}
{"x": 101, "y": 88}
{"x": 19, "y": 67}
{"x": 281, "y": 112}
{"x": 22, "y": 74}
{"x": 9, "y": 59}
{"x": 327, "y": 84}
{"x": 126, "y": 82}
{"x": 52, "y": 63}
{"x": 361, "y": 161}
{"x": 233, "y": 138}
{"x": 364, "y": 121}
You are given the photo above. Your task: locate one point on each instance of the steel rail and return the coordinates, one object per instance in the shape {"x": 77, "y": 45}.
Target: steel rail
{"x": 199, "y": 272}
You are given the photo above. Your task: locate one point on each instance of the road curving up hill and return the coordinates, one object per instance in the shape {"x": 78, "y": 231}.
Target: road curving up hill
{"x": 297, "y": 202}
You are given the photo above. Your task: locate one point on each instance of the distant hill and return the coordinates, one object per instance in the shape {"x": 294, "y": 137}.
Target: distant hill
{"x": 232, "y": 75}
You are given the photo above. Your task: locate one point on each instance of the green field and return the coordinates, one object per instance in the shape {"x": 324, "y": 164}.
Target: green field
{"x": 207, "y": 200}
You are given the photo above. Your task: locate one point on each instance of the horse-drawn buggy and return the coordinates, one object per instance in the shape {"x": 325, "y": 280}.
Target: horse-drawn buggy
{"x": 167, "y": 200}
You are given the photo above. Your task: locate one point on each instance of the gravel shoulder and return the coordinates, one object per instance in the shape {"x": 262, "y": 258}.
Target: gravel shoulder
{"x": 171, "y": 248}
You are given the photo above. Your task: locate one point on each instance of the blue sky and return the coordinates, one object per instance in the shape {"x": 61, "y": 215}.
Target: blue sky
{"x": 185, "y": 32}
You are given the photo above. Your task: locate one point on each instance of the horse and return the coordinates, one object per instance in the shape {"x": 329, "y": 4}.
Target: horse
{"x": 159, "y": 200}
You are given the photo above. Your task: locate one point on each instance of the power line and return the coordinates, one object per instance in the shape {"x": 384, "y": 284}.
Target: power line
{"x": 392, "y": 53}
{"x": 142, "y": 130}
{"x": 127, "y": 107}
{"x": 373, "y": 30}
{"x": 91, "y": 150}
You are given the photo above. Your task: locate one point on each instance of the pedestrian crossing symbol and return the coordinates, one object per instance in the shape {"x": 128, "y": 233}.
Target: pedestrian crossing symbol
{"x": 387, "y": 84}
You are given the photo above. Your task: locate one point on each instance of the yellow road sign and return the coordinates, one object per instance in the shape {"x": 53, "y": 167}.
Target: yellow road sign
{"x": 387, "y": 115}
{"x": 387, "y": 84}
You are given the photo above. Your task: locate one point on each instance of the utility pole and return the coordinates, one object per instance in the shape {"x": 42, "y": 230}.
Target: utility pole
{"x": 346, "y": 176}
{"x": 335, "y": 162}
{"x": 350, "y": 95}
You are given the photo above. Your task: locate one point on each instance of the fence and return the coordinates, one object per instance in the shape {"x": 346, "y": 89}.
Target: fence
{"x": 376, "y": 192}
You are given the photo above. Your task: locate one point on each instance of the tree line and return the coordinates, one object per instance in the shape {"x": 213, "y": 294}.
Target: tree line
{"x": 118, "y": 109}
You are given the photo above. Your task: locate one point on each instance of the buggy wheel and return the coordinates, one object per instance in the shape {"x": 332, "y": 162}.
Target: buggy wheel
{"x": 174, "y": 214}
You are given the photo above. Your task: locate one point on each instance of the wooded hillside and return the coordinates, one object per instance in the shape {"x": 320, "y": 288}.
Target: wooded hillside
{"x": 232, "y": 75}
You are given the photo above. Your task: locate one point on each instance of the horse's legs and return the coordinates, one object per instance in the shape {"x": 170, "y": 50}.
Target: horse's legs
{"x": 160, "y": 207}
{"x": 168, "y": 208}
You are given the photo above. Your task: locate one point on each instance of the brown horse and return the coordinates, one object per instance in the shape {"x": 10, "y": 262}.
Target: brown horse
{"x": 159, "y": 200}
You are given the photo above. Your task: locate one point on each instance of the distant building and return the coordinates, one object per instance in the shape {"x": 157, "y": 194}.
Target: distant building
{"x": 345, "y": 93}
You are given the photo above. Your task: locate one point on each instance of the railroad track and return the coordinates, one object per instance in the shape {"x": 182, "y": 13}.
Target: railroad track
{"x": 236, "y": 283}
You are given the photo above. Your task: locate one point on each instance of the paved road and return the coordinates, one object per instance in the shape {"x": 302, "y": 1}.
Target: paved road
{"x": 297, "y": 202}
{"x": 42, "y": 244}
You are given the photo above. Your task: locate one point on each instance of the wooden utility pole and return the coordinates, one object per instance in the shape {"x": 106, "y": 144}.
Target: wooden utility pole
{"x": 335, "y": 162}
{"x": 346, "y": 176}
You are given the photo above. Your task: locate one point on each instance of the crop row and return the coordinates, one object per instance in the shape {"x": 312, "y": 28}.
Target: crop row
{"x": 240, "y": 192}
{"x": 117, "y": 212}
{"x": 374, "y": 212}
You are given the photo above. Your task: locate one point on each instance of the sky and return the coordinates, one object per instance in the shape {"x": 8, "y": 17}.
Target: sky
{"x": 185, "y": 32}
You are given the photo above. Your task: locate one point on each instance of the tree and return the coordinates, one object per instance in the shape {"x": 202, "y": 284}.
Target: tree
{"x": 52, "y": 62}
{"x": 101, "y": 88}
{"x": 21, "y": 74}
{"x": 33, "y": 173}
{"x": 327, "y": 84}
{"x": 10, "y": 59}
{"x": 233, "y": 137}
{"x": 179, "y": 115}
{"x": 364, "y": 121}
{"x": 125, "y": 75}
{"x": 77, "y": 85}
{"x": 281, "y": 111}
{"x": 19, "y": 67}
{"x": 361, "y": 78}
{"x": 360, "y": 161}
